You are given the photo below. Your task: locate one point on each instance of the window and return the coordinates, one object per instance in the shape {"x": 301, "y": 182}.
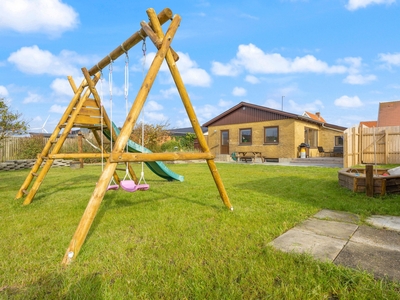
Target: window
{"x": 245, "y": 136}
{"x": 338, "y": 140}
{"x": 271, "y": 135}
{"x": 311, "y": 137}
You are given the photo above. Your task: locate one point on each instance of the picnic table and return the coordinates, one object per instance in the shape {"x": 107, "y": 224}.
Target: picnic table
{"x": 243, "y": 155}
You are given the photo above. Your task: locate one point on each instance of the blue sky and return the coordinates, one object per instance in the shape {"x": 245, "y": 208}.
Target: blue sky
{"x": 337, "y": 57}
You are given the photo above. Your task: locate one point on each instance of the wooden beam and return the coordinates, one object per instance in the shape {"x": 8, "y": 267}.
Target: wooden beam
{"x": 168, "y": 156}
{"x": 153, "y": 37}
{"x": 79, "y": 155}
{"x": 163, "y": 16}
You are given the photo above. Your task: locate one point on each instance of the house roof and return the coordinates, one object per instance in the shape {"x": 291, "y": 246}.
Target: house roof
{"x": 183, "y": 131}
{"x": 368, "y": 124}
{"x": 246, "y": 113}
{"x": 389, "y": 113}
{"x": 316, "y": 116}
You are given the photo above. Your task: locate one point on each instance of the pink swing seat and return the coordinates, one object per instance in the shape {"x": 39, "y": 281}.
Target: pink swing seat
{"x": 131, "y": 186}
{"x": 113, "y": 187}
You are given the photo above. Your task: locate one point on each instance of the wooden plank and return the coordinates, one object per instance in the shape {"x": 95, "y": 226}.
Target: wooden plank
{"x": 90, "y": 111}
{"x": 90, "y": 103}
{"x": 87, "y": 120}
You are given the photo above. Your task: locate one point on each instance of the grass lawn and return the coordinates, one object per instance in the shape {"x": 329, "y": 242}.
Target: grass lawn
{"x": 177, "y": 240}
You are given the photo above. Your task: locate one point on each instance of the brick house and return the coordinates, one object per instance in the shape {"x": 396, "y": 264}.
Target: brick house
{"x": 276, "y": 135}
{"x": 388, "y": 114}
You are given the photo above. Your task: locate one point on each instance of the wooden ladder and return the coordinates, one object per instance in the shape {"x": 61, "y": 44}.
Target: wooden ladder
{"x": 82, "y": 112}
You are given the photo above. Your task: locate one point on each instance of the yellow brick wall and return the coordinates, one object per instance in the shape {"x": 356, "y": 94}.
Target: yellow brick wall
{"x": 291, "y": 135}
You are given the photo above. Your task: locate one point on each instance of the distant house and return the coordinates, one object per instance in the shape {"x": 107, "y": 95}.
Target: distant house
{"x": 184, "y": 131}
{"x": 389, "y": 114}
{"x": 275, "y": 134}
{"x": 368, "y": 124}
{"x": 316, "y": 116}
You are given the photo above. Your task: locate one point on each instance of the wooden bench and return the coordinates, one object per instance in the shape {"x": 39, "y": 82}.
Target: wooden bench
{"x": 246, "y": 158}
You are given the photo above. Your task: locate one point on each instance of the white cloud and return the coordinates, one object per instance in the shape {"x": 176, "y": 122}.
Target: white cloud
{"x": 206, "y": 112}
{"x": 271, "y": 103}
{"x": 356, "y": 4}
{"x": 359, "y": 79}
{"x": 239, "y": 91}
{"x": 348, "y": 102}
{"x": 3, "y": 91}
{"x": 224, "y": 103}
{"x": 172, "y": 91}
{"x": 61, "y": 87}
{"x": 190, "y": 72}
{"x": 254, "y": 60}
{"x": 153, "y": 106}
{"x": 32, "y": 98}
{"x": 57, "y": 109}
{"x": 390, "y": 59}
{"x": 252, "y": 79}
{"x": 48, "y": 16}
{"x": 354, "y": 69}
{"x": 33, "y": 60}
{"x": 220, "y": 69}
{"x": 300, "y": 108}
{"x": 154, "y": 117}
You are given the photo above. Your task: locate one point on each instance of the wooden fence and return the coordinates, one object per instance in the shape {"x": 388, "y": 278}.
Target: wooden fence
{"x": 377, "y": 145}
{"x": 10, "y": 147}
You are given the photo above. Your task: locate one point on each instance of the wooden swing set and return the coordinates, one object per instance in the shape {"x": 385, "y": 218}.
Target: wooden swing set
{"x": 87, "y": 112}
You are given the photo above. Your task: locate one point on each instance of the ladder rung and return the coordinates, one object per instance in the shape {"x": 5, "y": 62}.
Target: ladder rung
{"x": 35, "y": 174}
{"x": 119, "y": 169}
{"x": 25, "y": 192}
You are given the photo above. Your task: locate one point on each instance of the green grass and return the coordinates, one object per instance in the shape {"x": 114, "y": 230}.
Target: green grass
{"x": 178, "y": 240}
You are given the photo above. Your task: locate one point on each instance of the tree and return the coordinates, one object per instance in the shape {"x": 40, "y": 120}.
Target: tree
{"x": 10, "y": 122}
{"x": 154, "y": 135}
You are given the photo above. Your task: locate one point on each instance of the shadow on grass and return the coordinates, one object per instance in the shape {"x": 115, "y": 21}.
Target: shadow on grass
{"x": 316, "y": 192}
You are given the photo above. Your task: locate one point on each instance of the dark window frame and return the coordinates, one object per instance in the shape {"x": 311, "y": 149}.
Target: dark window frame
{"x": 265, "y": 135}
{"x": 339, "y": 138}
{"x": 241, "y": 138}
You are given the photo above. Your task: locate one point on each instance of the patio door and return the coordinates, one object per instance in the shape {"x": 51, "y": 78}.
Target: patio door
{"x": 224, "y": 142}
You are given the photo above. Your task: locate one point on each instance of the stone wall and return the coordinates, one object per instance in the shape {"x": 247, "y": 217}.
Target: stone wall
{"x": 12, "y": 165}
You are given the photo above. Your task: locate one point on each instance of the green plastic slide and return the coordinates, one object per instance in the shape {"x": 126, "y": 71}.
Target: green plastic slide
{"x": 157, "y": 167}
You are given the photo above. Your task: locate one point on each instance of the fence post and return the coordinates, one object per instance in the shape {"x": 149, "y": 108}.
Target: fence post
{"x": 80, "y": 147}
{"x": 369, "y": 180}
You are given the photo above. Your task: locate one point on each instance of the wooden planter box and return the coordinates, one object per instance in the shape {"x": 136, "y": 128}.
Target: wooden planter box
{"x": 354, "y": 180}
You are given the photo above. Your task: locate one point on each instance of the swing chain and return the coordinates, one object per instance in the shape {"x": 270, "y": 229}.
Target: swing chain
{"x": 144, "y": 47}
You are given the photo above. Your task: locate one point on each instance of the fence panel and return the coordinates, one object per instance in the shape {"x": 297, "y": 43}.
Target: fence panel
{"x": 10, "y": 147}
{"x": 380, "y": 145}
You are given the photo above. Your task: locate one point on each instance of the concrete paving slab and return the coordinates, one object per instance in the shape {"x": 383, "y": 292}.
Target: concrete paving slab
{"x": 387, "y": 239}
{"x": 339, "y": 230}
{"x": 335, "y": 236}
{"x": 386, "y": 222}
{"x": 337, "y": 216}
{"x": 377, "y": 260}
{"x": 302, "y": 241}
